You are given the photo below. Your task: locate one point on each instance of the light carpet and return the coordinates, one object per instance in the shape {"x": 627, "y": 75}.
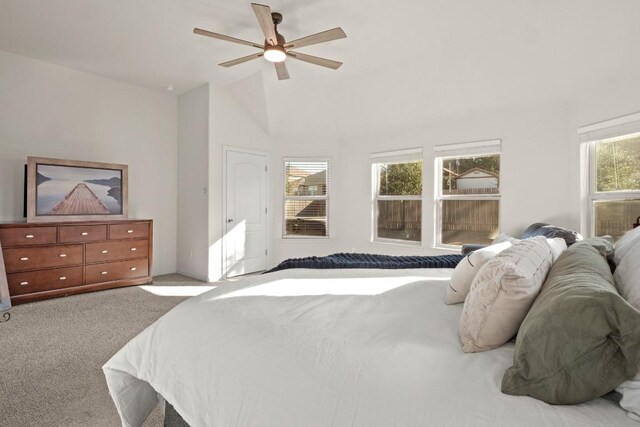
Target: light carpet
{"x": 52, "y": 352}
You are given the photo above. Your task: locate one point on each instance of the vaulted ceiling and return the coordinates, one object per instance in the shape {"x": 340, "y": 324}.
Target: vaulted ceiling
{"x": 404, "y": 61}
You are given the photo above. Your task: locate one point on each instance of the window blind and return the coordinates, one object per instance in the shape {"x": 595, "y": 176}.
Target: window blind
{"x": 468, "y": 148}
{"x": 400, "y": 156}
{"x": 306, "y": 198}
{"x": 612, "y": 128}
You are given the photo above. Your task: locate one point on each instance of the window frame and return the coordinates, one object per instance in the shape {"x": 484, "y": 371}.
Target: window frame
{"x": 593, "y": 194}
{"x": 458, "y": 151}
{"x": 325, "y": 197}
{"x": 395, "y": 157}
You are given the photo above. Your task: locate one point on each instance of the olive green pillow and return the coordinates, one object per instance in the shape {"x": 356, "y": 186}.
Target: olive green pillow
{"x": 581, "y": 339}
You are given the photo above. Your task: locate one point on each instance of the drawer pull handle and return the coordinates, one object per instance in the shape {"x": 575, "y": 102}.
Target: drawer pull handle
{"x": 133, "y": 269}
{"x": 103, "y": 273}
{"x": 24, "y": 283}
{"x": 104, "y": 252}
{"x": 63, "y": 255}
{"x": 134, "y": 249}
{"x": 29, "y": 236}
{"x": 84, "y": 233}
{"x": 24, "y": 258}
{"x": 129, "y": 231}
{"x": 63, "y": 278}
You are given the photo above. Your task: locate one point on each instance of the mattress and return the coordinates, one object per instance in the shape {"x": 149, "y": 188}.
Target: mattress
{"x": 327, "y": 348}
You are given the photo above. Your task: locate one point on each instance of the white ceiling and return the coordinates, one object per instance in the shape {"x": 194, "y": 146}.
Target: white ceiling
{"x": 404, "y": 61}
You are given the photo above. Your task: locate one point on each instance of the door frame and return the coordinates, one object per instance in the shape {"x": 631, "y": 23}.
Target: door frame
{"x": 223, "y": 224}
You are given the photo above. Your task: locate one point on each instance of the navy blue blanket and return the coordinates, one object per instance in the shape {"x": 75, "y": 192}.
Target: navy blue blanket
{"x": 351, "y": 260}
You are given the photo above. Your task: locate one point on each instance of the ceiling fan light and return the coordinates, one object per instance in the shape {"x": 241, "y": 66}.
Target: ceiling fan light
{"x": 275, "y": 54}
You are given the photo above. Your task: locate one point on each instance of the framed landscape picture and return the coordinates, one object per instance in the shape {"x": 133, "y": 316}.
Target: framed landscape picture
{"x": 68, "y": 190}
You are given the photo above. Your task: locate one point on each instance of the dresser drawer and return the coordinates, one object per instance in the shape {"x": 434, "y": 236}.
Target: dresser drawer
{"x": 83, "y": 233}
{"x": 132, "y": 230}
{"x": 111, "y": 271}
{"x": 22, "y": 236}
{"x": 21, "y": 259}
{"x": 116, "y": 251}
{"x": 37, "y": 281}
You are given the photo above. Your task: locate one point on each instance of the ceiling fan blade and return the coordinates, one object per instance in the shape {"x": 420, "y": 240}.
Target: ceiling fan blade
{"x": 263, "y": 13}
{"x": 281, "y": 70}
{"x": 225, "y": 38}
{"x": 325, "y": 36}
{"x": 334, "y": 65}
{"x": 241, "y": 60}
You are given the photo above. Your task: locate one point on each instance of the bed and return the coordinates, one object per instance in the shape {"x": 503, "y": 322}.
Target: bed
{"x": 307, "y": 347}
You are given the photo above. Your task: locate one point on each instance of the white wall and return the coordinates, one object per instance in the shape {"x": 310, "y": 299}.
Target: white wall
{"x": 535, "y": 180}
{"x": 231, "y": 125}
{"x": 540, "y": 167}
{"x": 210, "y": 118}
{"x": 539, "y": 177}
{"x": 51, "y": 111}
{"x": 193, "y": 181}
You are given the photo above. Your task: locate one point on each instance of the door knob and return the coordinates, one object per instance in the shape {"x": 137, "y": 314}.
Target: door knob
{"x": 229, "y": 220}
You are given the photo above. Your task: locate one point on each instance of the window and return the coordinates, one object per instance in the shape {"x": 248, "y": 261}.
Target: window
{"x": 613, "y": 159}
{"x": 467, "y": 193}
{"x": 397, "y": 196}
{"x": 306, "y": 198}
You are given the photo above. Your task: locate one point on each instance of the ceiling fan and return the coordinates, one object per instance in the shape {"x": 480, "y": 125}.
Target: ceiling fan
{"x": 275, "y": 48}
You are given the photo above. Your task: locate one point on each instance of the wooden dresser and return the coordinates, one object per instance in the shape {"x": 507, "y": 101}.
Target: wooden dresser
{"x": 47, "y": 260}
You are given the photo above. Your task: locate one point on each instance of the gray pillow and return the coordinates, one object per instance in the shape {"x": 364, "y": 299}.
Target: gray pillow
{"x": 550, "y": 231}
{"x": 581, "y": 339}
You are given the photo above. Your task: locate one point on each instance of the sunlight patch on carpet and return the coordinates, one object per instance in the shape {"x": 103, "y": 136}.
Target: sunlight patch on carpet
{"x": 176, "y": 291}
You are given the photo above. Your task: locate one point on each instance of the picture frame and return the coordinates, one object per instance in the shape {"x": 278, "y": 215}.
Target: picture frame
{"x": 72, "y": 190}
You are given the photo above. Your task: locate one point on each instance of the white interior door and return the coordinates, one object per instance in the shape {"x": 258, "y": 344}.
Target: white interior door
{"x": 246, "y": 213}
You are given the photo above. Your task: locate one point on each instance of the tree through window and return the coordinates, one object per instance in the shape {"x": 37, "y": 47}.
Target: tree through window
{"x": 398, "y": 196}
{"x": 615, "y": 194}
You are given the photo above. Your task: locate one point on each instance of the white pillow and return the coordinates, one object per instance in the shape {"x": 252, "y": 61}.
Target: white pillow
{"x": 505, "y": 238}
{"x": 557, "y": 245}
{"x": 502, "y": 293}
{"x": 466, "y": 270}
{"x": 627, "y": 275}
{"x": 625, "y": 243}
{"x": 630, "y": 391}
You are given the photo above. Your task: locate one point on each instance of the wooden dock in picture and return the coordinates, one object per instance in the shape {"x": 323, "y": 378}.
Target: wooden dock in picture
{"x": 80, "y": 201}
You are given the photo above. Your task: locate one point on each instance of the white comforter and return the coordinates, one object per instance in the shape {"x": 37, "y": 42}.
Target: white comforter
{"x": 327, "y": 348}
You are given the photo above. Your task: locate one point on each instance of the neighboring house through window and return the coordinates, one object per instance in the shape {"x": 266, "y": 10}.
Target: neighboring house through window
{"x": 306, "y": 198}
{"x": 611, "y": 184}
{"x": 397, "y": 196}
{"x": 467, "y": 193}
